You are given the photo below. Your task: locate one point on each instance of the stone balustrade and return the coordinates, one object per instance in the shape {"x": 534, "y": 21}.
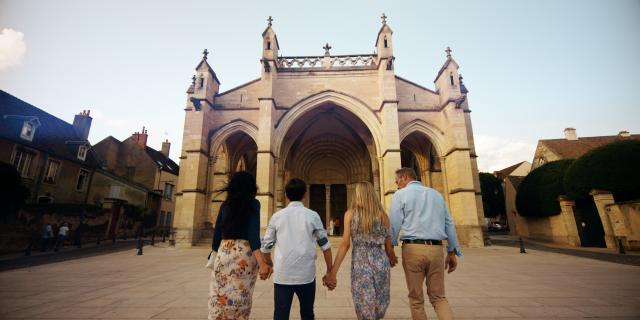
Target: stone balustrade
{"x": 360, "y": 61}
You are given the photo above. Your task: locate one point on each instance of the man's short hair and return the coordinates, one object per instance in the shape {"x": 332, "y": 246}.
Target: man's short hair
{"x": 295, "y": 189}
{"x": 407, "y": 172}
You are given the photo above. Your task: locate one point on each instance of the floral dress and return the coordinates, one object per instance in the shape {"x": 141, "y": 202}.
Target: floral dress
{"x": 234, "y": 275}
{"x": 370, "y": 277}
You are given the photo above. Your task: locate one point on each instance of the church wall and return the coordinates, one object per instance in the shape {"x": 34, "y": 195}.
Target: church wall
{"x": 245, "y": 96}
{"x": 290, "y": 88}
{"x": 414, "y": 97}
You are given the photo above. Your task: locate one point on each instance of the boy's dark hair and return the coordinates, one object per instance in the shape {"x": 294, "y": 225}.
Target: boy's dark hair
{"x": 295, "y": 189}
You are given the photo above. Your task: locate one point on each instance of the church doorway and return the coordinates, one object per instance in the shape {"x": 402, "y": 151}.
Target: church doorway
{"x": 419, "y": 153}
{"x": 330, "y": 149}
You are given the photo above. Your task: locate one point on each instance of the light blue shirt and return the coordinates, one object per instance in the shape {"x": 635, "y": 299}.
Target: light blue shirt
{"x": 422, "y": 214}
{"x": 294, "y": 232}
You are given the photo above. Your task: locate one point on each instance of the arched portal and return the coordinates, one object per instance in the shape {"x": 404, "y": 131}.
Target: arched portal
{"x": 236, "y": 152}
{"x": 330, "y": 148}
{"x": 419, "y": 153}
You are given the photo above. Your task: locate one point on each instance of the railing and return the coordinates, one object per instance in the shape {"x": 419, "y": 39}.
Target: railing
{"x": 360, "y": 61}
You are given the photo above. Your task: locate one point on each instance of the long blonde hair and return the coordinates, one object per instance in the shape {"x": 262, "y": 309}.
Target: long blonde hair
{"x": 366, "y": 209}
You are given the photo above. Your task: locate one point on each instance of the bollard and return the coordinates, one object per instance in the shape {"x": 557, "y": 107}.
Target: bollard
{"x": 522, "y": 250}
{"x": 153, "y": 238}
{"x": 621, "y": 247}
{"x": 27, "y": 252}
{"x": 140, "y": 244}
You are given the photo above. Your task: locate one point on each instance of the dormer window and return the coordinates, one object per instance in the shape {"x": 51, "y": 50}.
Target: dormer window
{"x": 82, "y": 152}
{"x": 385, "y": 42}
{"x": 29, "y": 129}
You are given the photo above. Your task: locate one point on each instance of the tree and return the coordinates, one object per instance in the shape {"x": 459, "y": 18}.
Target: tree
{"x": 13, "y": 193}
{"x": 538, "y": 193}
{"x": 614, "y": 167}
{"x": 492, "y": 195}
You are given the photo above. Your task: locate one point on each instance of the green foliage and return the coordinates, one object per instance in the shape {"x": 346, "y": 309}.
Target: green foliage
{"x": 614, "y": 167}
{"x": 538, "y": 193}
{"x": 13, "y": 193}
{"x": 492, "y": 195}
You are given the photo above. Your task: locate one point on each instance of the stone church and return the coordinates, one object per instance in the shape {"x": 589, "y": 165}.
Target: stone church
{"x": 331, "y": 120}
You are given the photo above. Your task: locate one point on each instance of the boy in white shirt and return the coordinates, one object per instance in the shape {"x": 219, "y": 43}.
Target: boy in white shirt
{"x": 293, "y": 232}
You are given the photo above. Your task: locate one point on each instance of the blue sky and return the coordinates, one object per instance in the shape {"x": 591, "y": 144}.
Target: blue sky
{"x": 532, "y": 67}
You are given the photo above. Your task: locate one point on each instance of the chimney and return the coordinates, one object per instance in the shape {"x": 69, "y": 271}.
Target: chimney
{"x": 82, "y": 124}
{"x": 140, "y": 137}
{"x": 165, "y": 148}
{"x": 624, "y": 134}
{"x": 570, "y": 134}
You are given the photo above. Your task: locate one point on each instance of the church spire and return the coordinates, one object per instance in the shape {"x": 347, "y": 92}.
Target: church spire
{"x": 270, "y": 44}
{"x": 384, "y": 42}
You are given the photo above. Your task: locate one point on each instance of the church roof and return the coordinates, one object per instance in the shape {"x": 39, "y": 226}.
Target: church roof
{"x": 54, "y": 136}
{"x": 573, "y": 149}
{"x": 444, "y": 67}
{"x": 508, "y": 170}
{"x": 379, "y": 32}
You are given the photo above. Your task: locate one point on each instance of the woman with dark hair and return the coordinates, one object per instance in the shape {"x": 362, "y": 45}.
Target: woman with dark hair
{"x": 236, "y": 240}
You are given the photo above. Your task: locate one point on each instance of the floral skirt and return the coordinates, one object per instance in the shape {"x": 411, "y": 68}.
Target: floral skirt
{"x": 235, "y": 270}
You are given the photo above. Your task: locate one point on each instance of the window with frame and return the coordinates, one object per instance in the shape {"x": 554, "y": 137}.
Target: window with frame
{"x": 28, "y": 131}
{"x": 51, "y": 174}
{"x": 22, "y": 161}
{"x": 168, "y": 191}
{"x": 82, "y": 152}
{"x": 161, "y": 219}
{"x": 83, "y": 176}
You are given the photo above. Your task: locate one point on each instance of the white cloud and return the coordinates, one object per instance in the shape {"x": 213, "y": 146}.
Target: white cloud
{"x": 12, "y": 48}
{"x": 495, "y": 153}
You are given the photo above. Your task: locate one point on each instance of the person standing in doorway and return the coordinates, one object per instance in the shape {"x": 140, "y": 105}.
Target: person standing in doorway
{"x": 423, "y": 216}
{"x": 336, "y": 226}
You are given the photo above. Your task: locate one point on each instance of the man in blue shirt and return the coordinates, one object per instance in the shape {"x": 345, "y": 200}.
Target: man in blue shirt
{"x": 424, "y": 218}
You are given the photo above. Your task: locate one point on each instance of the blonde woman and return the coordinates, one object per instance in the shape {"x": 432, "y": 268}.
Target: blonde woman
{"x": 367, "y": 226}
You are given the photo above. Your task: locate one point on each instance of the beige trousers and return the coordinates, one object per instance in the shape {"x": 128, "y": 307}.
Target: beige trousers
{"x": 422, "y": 261}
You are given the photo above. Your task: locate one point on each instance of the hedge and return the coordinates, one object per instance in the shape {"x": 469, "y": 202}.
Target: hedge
{"x": 614, "y": 167}
{"x": 538, "y": 193}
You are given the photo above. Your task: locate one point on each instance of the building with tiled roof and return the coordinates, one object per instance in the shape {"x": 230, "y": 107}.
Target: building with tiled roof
{"x": 134, "y": 161}
{"x": 572, "y": 146}
{"x": 511, "y": 177}
{"x": 53, "y": 156}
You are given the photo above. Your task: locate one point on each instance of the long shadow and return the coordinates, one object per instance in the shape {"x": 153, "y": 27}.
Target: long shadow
{"x": 40, "y": 259}
{"x": 633, "y": 260}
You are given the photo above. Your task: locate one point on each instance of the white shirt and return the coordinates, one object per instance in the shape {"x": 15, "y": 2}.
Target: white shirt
{"x": 293, "y": 232}
{"x": 63, "y": 230}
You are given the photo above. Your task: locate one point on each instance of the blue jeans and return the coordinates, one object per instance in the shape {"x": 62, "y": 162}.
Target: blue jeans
{"x": 283, "y": 296}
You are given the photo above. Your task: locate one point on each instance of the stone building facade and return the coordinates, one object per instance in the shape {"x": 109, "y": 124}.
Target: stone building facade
{"x": 331, "y": 120}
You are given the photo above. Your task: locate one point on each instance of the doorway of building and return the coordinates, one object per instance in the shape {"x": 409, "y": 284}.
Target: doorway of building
{"x": 318, "y": 201}
{"x": 338, "y": 203}
{"x": 589, "y": 224}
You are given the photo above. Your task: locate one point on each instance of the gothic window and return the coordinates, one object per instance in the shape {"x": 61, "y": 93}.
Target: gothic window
{"x": 385, "y": 42}
{"x": 201, "y": 82}
{"x": 451, "y": 79}
{"x": 268, "y": 45}
{"x": 83, "y": 176}
{"x": 82, "y": 152}
{"x": 22, "y": 162}
{"x": 52, "y": 169}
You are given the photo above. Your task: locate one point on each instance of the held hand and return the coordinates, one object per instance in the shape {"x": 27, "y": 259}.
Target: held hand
{"x": 329, "y": 281}
{"x": 451, "y": 262}
{"x": 265, "y": 271}
{"x": 393, "y": 260}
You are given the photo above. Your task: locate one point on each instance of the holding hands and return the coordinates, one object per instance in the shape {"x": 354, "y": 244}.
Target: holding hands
{"x": 329, "y": 280}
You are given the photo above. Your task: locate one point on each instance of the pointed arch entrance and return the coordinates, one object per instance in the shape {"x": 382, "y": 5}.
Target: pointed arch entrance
{"x": 331, "y": 149}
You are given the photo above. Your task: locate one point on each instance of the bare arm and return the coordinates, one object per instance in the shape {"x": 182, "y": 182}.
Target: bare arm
{"x": 388, "y": 247}
{"x": 343, "y": 248}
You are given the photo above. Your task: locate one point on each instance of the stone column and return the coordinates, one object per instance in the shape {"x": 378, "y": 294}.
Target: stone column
{"x": 266, "y": 166}
{"x": 603, "y": 199}
{"x": 390, "y": 151}
{"x": 327, "y": 213}
{"x": 463, "y": 203}
{"x": 566, "y": 207}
